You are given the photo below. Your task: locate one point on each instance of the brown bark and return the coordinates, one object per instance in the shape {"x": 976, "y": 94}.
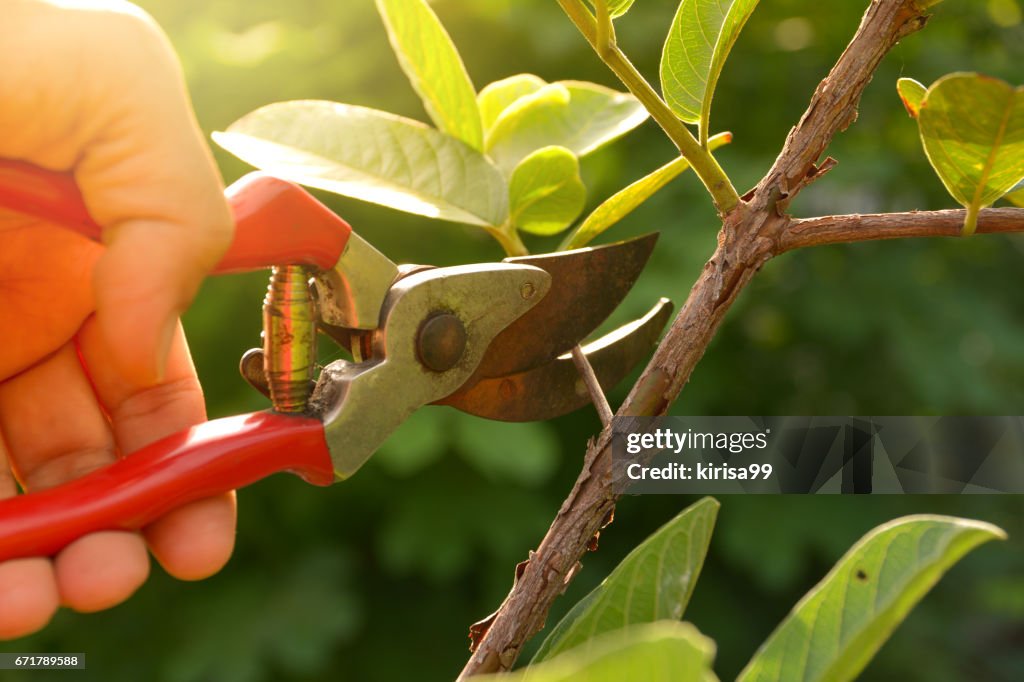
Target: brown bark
{"x": 840, "y": 229}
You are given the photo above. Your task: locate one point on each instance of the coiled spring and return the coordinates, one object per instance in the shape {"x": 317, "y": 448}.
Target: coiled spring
{"x": 289, "y": 338}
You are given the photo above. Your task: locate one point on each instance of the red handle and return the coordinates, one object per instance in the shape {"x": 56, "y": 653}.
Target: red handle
{"x": 276, "y": 221}
{"x": 205, "y": 460}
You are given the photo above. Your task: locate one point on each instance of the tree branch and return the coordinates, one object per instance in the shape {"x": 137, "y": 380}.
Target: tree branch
{"x": 833, "y": 106}
{"x": 839, "y": 229}
{"x": 754, "y": 231}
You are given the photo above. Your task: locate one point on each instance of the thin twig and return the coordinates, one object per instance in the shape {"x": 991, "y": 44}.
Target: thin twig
{"x": 703, "y": 162}
{"x": 752, "y": 233}
{"x": 604, "y": 410}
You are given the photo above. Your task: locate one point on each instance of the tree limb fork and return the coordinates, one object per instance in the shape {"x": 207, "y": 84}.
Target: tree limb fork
{"x": 755, "y": 230}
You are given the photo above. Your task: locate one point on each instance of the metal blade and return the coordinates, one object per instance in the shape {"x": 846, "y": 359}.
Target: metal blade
{"x": 586, "y": 286}
{"x": 556, "y": 388}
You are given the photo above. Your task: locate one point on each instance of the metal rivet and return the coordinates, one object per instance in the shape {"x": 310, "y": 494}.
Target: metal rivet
{"x": 441, "y": 342}
{"x": 527, "y": 291}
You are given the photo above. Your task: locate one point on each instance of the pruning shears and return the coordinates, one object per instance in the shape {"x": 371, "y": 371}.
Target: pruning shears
{"x": 491, "y": 339}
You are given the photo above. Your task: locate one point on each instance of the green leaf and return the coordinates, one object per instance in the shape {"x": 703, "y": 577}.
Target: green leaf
{"x": 1016, "y": 195}
{"x": 702, "y": 34}
{"x": 665, "y": 651}
{"x": 653, "y": 582}
{"x": 428, "y": 57}
{"x": 578, "y": 116}
{"x": 912, "y": 93}
{"x": 371, "y": 155}
{"x": 545, "y": 191}
{"x": 839, "y": 625}
{"x": 616, "y": 8}
{"x": 622, "y": 203}
{"x": 497, "y": 96}
{"x": 972, "y": 128}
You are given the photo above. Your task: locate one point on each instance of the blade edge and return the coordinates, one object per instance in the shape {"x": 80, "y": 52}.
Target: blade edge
{"x": 556, "y": 388}
{"x": 586, "y": 286}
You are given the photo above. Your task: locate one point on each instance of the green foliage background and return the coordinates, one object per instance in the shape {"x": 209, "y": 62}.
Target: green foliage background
{"x": 378, "y": 578}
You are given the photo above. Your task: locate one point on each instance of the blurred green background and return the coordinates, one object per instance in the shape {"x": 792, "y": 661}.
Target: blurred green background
{"x": 379, "y": 578}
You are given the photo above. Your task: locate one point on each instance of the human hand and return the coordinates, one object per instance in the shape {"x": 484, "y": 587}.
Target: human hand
{"x": 93, "y": 363}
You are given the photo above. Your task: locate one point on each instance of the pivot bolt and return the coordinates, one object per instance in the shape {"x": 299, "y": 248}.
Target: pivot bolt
{"x": 441, "y": 342}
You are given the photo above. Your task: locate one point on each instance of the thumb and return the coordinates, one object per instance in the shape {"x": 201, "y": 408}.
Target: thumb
{"x": 148, "y": 177}
{"x": 143, "y": 283}
{"x": 96, "y": 87}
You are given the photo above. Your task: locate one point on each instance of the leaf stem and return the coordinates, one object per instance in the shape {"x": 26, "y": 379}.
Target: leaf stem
{"x": 605, "y": 28}
{"x": 971, "y": 220}
{"x": 508, "y": 237}
{"x": 704, "y": 164}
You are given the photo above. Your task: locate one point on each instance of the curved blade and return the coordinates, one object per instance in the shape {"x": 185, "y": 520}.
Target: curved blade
{"x": 586, "y": 286}
{"x": 556, "y": 388}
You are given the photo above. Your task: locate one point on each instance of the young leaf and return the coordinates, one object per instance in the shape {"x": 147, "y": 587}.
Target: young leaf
{"x": 545, "y": 192}
{"x": 653, "y": 582}
{"x": 578, "y": 116}
{"x": 497, "y": 96}
{"x": 702, "y": 34}
{"x": 665, "y": 651}
{"x": 972, "y": 128}
{"x": 839, "y": 625}
{"x": 429, "y": 59}
{"x": 616, "y": 8}
{"x": 371, "y": 155}
{"x": 912, "y": 93}
{"x": 622, "y": 203}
